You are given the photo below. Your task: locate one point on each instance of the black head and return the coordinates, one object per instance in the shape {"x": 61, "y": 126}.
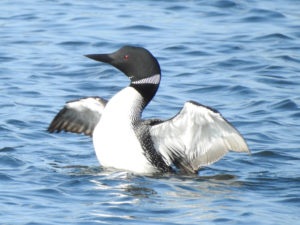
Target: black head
{"x": 136, "y": 62}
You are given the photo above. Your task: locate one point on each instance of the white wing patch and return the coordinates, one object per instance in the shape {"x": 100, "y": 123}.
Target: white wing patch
{"x": 197, "y": 136}
{"x": 79, "y": 116}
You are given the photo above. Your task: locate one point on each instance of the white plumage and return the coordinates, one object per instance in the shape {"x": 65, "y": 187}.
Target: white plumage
{"x": 115, "y": 141}
{"x": 197, "y": 135}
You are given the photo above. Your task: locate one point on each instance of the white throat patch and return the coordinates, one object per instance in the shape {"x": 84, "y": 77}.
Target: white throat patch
{"x": 149, "y": 80}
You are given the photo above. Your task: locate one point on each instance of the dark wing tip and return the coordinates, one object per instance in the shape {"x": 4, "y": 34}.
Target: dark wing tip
{"x": 57, "y": 122}
{"x": 79, "y": 116}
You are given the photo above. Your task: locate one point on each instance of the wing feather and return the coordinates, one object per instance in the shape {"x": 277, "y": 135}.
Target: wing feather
{"x": 197, "y": 136}
{"x": 79, "y": 116}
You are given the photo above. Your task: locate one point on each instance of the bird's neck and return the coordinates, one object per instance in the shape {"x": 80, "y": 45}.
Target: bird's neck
{"x": 147, "y": 87}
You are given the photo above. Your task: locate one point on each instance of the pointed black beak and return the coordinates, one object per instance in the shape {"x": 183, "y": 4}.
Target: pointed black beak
{"x": 101, "y": 57}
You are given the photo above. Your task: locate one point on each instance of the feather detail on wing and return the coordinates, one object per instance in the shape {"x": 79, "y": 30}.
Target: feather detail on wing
{"x": 197, "y": 136}
{"x": 79, "y": 116}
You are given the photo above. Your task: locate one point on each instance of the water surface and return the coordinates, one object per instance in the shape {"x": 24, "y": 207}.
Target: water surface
{"x": 240, "y": 57}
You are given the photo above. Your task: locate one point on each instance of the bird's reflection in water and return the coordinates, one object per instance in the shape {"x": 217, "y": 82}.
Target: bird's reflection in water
{"x": 122, "y": 196}
{"x": 145, "y": 186}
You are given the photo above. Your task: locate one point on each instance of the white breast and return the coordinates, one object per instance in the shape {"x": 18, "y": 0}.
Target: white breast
{"x": 115, "y": 141}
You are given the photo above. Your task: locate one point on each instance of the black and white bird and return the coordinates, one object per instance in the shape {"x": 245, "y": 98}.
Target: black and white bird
{"x": 197, "y": 136}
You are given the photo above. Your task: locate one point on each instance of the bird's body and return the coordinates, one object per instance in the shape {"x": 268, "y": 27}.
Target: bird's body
{"x": 195, "y": 137}
{"x": 116, "y": 129}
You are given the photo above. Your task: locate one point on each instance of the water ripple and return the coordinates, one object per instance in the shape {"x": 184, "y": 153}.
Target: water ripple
{"x": 140, "y": 28}
{"x": 286, "y": 105}
{"x": 10, "y": 161}
{"x": 275, "y": 36}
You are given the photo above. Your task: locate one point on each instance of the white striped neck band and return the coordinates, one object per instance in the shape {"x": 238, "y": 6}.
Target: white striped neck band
{"x": 155, "y": 79}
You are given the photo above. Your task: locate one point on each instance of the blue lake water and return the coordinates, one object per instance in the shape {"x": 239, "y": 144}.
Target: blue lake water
{"x": 240, "y": 57}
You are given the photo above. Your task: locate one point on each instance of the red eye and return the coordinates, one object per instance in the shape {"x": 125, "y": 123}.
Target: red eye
{"x": 126, "y": 57}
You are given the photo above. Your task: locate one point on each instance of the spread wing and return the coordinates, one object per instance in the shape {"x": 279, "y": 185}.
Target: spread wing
{"x": 79, "y": 116}
{"x": 197, "y": 136}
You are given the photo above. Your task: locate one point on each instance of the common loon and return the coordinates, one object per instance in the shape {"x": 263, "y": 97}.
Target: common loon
{"x": 197, "y": 136}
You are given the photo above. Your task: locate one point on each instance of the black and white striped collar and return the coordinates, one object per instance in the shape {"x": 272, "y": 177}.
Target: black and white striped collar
{"x": 155, "y": 79}
{"x": 147, "y": 87}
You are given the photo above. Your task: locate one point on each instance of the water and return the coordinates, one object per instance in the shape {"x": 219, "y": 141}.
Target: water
{"x": 240, "y": 57}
